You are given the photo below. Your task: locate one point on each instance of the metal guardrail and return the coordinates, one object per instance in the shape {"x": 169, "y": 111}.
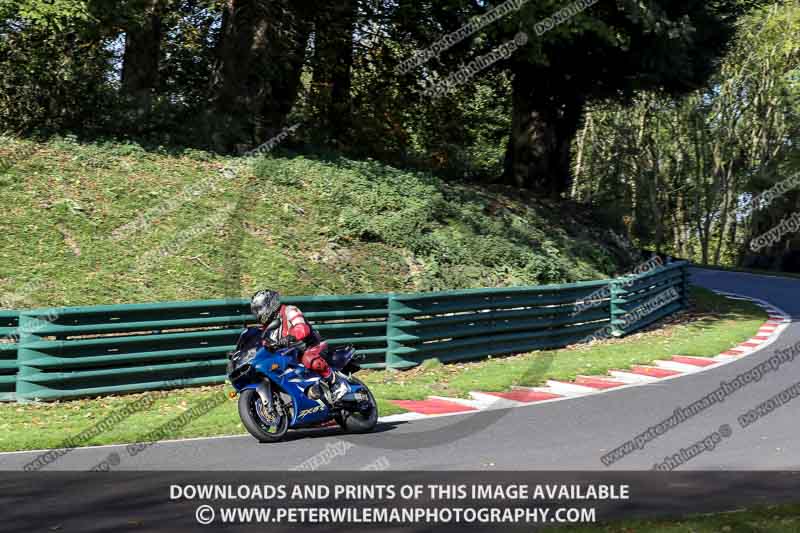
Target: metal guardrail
{"x": 628, "y": 295}
{"x": 87, "y": 351}
{"x": 462, "y": 325}
{"x": 9, "y": 320}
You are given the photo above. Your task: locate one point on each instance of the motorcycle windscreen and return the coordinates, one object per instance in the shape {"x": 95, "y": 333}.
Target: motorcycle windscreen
{"x": 249, "y": 338}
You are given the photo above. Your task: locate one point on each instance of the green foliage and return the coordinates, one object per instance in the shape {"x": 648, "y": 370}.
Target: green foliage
{"x": 60, "y": 68}
{"x": 460, "y": 136}
{"x": 675, "y": 169}
{"x": 464, "y": 134}
{"x": 60, "y": 63}
{"x": 52, "y": 67}
{"x": 457, "y": 236}
{"x": 430, "y": 364}
{"x": 54, "y": 14}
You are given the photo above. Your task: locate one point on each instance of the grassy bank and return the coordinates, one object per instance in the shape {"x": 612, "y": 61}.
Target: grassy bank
{"x": 303, "y": 225}
{"x": 713, "y": 325}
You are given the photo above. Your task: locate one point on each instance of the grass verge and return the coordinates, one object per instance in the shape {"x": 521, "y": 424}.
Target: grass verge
{"x": 768, "y": 519}
{"x": 713, "y": 325}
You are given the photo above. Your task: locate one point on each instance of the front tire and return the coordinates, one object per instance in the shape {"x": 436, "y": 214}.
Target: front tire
{"x": 256, "y": 425}
{"x": 356, "y": 422}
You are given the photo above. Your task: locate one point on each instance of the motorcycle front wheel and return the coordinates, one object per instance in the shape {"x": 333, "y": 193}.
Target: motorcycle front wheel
{"x": 255, "y": 421}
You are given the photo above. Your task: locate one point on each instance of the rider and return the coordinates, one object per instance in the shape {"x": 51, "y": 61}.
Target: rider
{"x": 285, "y": 325}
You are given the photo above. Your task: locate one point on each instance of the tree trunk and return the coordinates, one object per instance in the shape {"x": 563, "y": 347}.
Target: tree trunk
{"x": 542, "y": 129}
{"x": 581, "y": 147}
{"x": 680, "y": 227}
{"x": 333, "y": 63}
{"x": 728, "y": 211}
{"x": 732, "y": 234}
{"x": 286, "y": 86}
{"x": 655, "y": 202}
{"x": 260, "y": 56}
{"x": 141, "y": 58}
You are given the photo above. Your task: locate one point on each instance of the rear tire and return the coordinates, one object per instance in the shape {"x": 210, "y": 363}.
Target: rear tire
{"x": 356, "y": 422}
{"x": 249, "y": 404}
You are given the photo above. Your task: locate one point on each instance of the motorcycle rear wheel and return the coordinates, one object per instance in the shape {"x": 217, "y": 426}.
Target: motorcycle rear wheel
{"x": 256, "y": 425}
{"x": 355, "y": 422}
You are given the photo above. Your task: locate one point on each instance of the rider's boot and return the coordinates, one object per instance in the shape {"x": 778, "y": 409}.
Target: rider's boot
{"x": 337, "y": 387}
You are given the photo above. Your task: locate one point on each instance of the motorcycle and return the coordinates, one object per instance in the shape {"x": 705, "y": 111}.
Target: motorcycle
{"x": 277, "y": 393}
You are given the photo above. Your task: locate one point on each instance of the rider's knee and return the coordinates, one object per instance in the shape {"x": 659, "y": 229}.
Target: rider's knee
{"x": 319, "y": 366}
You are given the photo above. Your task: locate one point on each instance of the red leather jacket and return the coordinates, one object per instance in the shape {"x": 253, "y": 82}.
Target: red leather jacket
{"x": 292, "y": 322}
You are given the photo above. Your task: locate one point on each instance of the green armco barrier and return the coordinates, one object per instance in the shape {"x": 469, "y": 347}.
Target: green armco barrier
{"x": 8, "y": 354}
{"x": 634, "y": 295}
{"x": 470, "y": 324}
{"x": 73, "y": 352}
{"x": 462, "y": 325}
{"x": 85, "y": 351}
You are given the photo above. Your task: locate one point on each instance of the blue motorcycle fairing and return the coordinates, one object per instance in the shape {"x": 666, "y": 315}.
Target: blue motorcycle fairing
{"x": 340, "y": 357}
{"x": 282, "y": 368}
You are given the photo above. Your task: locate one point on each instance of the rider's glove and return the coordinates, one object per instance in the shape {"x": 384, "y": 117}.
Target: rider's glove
{"x": 286, "y": 341}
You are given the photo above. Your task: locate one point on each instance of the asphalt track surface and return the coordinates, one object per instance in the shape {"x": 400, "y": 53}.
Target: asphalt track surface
{"x": 566, "y": 435}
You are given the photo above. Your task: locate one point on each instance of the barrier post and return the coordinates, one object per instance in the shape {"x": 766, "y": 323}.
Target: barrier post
{"x": 686, "y": 281}
{"x": 9, "y": 330}
{"x": 615, "y": 304}
{"x": 392, "y": 345}
{"x": 29, "y": 325}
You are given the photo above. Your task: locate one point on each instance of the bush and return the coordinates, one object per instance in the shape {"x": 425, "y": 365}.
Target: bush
{"x": 461, "y": 237}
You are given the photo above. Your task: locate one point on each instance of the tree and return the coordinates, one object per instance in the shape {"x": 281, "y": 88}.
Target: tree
{"x": 332, "y": 67}
{"x": 610, "y": 50}
{"x": 53, "y": 66}
{"x": 681, "y": 169}
{"x": 140, "y": 67}
{"x": 260, "y": 57}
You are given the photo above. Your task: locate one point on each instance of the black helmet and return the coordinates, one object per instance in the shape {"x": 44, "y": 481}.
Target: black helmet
{"x": 264, "y": 304}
